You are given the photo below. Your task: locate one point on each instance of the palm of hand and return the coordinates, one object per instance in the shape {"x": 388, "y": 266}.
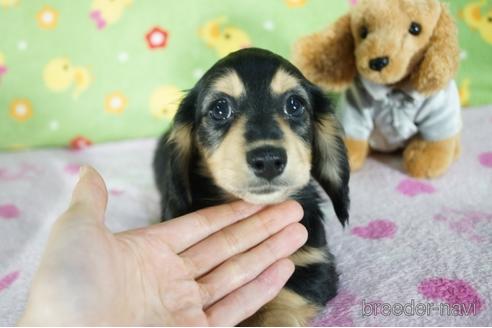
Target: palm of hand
{"x": 161, "y": 280}
{"x": 212, "y": 267}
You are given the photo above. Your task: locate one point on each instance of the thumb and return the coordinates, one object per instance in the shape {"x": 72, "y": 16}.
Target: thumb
{"x": 90, "y": 196}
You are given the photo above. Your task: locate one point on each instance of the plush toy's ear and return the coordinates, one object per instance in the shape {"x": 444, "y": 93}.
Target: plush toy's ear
{"x": 330, "y": 165}
{"x": 441, "y": 59}
{"x": 172, "y": 161}
{"x": 327, "y": 58}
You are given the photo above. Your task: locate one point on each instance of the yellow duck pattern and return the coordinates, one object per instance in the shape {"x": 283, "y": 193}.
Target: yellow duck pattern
{"x": 295, "y": 3}
{"x": 164, "y": 101}
{"x": 465, "y": 92}
{"x": 224, "y": 39}
{"x": 475, "y": 18}
{"x": 8, "y": 3}
{"x": 59, "y": 75}
{"x": 107, "y": 12}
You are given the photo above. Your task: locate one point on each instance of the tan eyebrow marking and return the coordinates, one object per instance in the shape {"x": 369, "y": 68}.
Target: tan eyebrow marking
{"x": 230, "y": 83}
{"x": 283, "y": 82}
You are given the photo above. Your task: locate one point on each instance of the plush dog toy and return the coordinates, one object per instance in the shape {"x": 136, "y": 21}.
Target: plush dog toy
{"x": 397, "y": 58}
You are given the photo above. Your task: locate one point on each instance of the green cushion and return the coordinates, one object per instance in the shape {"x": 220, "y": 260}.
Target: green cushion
{"x": 108, "y": 70}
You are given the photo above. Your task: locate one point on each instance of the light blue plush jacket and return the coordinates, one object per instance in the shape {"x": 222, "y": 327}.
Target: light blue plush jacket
{"x": 389, "y": 117}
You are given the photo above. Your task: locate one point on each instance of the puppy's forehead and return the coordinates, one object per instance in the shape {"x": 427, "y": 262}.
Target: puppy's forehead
{"x": 229, "y": 83}
{"x": 283, "y": 81}
{"x": 232, "y": 84}
{"x": 254, "y": 73}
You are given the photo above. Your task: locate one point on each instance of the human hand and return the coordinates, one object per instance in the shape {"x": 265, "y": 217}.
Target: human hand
{"x": 214, "y": 267}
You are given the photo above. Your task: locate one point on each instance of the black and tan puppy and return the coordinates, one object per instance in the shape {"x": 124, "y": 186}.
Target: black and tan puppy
{"x": 254, "y": 128}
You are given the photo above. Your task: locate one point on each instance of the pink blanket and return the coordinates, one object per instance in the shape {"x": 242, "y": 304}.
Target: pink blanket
{"x": 415, "y": 253}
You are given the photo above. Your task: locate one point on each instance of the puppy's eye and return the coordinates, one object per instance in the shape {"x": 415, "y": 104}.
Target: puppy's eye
{"x": 294, "y": 107}
{"x": 220, "y": 110}
{"x": 415, "y": 29}
{"x": 363, "y": 32}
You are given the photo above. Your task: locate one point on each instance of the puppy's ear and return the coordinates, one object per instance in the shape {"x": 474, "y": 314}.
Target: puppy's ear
{"x": 327, "y": 58}
{"x": 441, "y": 60}
{"x": 172, "y": 161}
{"x": 330, "y": 165}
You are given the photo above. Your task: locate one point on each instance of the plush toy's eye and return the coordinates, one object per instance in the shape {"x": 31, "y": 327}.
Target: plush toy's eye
{"x": 220, "y": 110}
{"x": 294, "y": 107}
{"x": 363, "y": 32}
{"x": 415, "y": 29}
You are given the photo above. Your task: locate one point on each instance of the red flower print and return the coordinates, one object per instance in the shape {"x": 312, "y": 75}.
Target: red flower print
{"x": 79, "y": 143}
{"x": 157, "y": 38}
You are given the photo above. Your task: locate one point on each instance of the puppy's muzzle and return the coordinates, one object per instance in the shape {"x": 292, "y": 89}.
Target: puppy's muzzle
{"x": 378, "y": 64}
{"x": 267, "y": 162}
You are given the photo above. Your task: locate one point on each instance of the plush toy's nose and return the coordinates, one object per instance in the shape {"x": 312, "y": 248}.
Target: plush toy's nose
{"x": 378, "y": 64}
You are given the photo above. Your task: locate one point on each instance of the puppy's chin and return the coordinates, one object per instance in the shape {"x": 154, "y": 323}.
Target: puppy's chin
{"x": 274, "y": 197}
{"x": 262, "y": 193}
{"x": 261, "y": 198}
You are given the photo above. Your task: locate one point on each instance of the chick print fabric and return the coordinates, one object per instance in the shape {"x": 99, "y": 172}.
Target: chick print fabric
{"x": 73, "y": 73}
{"x": 474, "y": 19}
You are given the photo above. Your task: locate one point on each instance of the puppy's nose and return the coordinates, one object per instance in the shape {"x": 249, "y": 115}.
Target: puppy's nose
{"x": 378, "y": 64}
{"x": 267, "y": 162}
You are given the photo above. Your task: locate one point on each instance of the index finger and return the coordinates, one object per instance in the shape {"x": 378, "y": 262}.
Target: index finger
{"x": 189, "y": 229}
